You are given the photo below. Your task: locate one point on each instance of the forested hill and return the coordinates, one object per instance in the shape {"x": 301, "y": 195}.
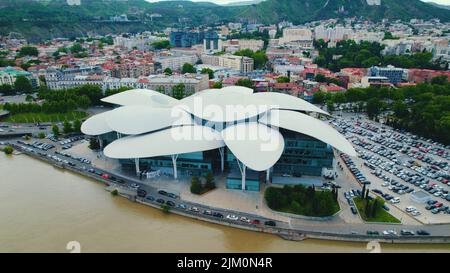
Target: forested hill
{"x": 43, "y": 19}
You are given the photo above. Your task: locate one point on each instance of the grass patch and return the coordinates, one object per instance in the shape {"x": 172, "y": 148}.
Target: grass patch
{"x": 381, "y": 215}
{"x": 302, "y": 201}
{"x": 45, "y": 117}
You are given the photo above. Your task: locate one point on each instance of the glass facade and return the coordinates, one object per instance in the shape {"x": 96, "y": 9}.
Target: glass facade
{"x": 303, "y": 155}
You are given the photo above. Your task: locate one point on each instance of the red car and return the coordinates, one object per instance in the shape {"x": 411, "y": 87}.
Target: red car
{"x": 256, "y": 222}
{"x": 438, "y": 205}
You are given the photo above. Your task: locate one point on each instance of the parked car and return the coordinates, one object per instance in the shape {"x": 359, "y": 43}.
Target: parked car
{"x": 270, "y": 223}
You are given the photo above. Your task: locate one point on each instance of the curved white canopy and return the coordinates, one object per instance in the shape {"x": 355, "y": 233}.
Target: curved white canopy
{"x": 256, "y": 145}
{"x": 224, "y": 106}
{"x": 177, "y": 140}
{"x": 288, "y": 102}
{"x": 238, "y": 89}
{"x": 96, "y": 125}
{"x": 310, "y": 126}
{"x": 139, "y": 119}
{"x": 141, "y": 97}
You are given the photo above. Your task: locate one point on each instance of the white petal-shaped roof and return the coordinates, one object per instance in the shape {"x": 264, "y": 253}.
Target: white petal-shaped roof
{"x": 310, "y": 126}
{"x": 256, "y": 145}
{"x": 176, "y": 140}
{"x": 229, "y": 89}
{"x": 96, "y": 125}
{"x": 288, "y": 102}
{"x": 238, "y": 89}
{"x": 141, "y": 97}
{"x": 223, "y": 106}
{"x": 139, "y": 119}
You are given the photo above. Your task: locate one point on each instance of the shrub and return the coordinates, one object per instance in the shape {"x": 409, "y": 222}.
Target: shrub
{"x": 8, "y": 150}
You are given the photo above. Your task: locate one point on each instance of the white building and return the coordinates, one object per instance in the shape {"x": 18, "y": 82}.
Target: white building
{"x": 175, "y": 63}
{"x": 238, "y": 63}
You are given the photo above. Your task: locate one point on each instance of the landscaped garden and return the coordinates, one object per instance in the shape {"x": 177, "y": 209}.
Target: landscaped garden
{"x": 373, "y": 211}
{"x": 302, "y": 200}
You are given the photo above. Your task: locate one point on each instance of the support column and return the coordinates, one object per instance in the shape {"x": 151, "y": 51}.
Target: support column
{"x": 268, "y": 175}
{"x": 243, "y": 169}
{"x": 222, "y": 159}
{"x": 100, "y": 142}
{"x": 118, "y": 135}
{"x": 174, "y": 162}
{"x": 136, "y": 162}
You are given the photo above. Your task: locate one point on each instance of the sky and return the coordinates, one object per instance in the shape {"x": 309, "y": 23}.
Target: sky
{"x": 445, "y": 2}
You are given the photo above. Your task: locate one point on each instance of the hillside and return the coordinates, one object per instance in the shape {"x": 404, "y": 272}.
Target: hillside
{"x": 300, "y": 11}
{"x": 42, "y": 19}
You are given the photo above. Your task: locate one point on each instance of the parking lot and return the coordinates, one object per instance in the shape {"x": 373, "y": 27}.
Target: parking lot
{"x": 398, "y": 164}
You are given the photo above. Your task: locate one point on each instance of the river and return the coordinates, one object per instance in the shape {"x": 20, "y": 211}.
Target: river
{"x": 42, "y": 208}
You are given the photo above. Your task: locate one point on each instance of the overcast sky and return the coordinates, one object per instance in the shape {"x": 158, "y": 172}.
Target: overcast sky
{"x": 446, "y": 2}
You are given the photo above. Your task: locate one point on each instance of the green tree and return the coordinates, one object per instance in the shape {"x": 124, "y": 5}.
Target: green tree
{"x": 55, "y": 130}
{"x": 208, "y": 71}
{"x": 41, "y": 135}
{"x": 246, "y": 82}
{"x": 319, "y": 97}
{"x": 8, "y": 150}
{"x": 164, "y": 44}
{"x": 22, "y": 84}
{"x": 77, "y": 126}
{"x": 168, "y": 71}
{"x": 217, "y": 85}
{"x": 196, "y": 186}
{"x": 440, "y": 80}
{"x": 178, "y": 91}
{"x": 94, "y": 144}
{"x": 67, "y": 127}
{"x": 373, "y": 108}
{"x": 188, "y": 68}
{"x": 28, "y": 51}
{"x": 283, "y": 79}
{"x": 210, "y": 184}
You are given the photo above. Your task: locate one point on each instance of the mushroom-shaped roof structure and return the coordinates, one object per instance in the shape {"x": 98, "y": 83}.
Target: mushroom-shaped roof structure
{"x": 140, "y": 119}
{"x": 176, "y": 140}
{"x": 158, "y": 125}
{"x": 141, "y": 97}
{"x": 310, "y": 126}
{"x": 96, "y": 125}
{"x": 256, "y": 145}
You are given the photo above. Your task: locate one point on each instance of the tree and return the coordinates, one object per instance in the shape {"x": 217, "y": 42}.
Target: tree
{"x": 67, "y": 127}
{"x": 41, "y": 135}
{"x": 373, "y": 108}
{"x": 208, "y": 71}
{"x": 330, "y": 106}
{"x": 22, "y": 84}
{"x": 6, "y": 89}
{"x": 55, "y": 130}
{"x": 8, "y": 150}
{"x": 440, "y": 80}
{"x": 210, "y": 184}
{"x": 28, "y": 51}
{"x": 217, "y": 85}
{"x": 283, "y": 79}
{"x": 77, "y": 126}
{"x": 196, "y": 186}
{"x": 76, "y": 48}
{"x": 246, "y": 82}
{"x": 164, "y": 44}
{"x": 320, "y": 78}
{"x": 168, "y": 71}
{"x": 94, "y": 144}
{"x": 178, "y": 91}
{"x": 188, "y": 68}
{"x": 319, "y": 97}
